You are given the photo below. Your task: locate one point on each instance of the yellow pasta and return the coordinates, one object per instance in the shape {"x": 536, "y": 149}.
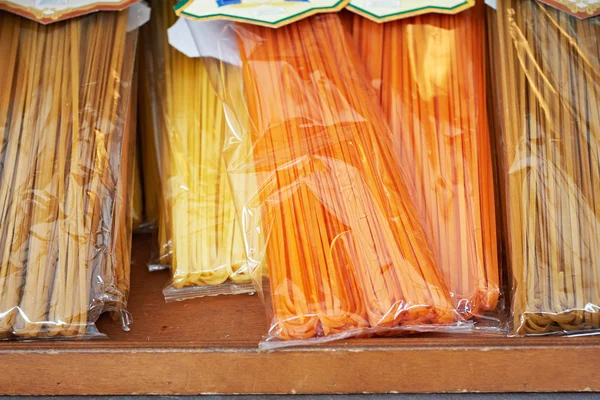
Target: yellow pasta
{"x": 199, "y": 232}
{"x": 65, "y": 94}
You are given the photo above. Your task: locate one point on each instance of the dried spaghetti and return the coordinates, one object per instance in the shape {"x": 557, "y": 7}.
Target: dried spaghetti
{"x": 199, "y": 229}
{"x": 343, "y": 247}
{"x": 429, "y": 72}
{"x": 549, "y": 89}
{"x": 148, "y": 180}
{"x": 63, "y": 257}
{"x": 138, "y": 196}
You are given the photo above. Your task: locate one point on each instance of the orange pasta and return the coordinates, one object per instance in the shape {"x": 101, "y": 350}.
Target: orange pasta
{"x": 430, "y": 75}
{"x": 343, "y": 246}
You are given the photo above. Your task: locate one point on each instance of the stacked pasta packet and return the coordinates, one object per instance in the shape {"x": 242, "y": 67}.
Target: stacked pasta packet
{"x": 67, "y": 125}
{"x": 349, "y": 223}
{"x": 313, "y": 114}
{"x": 364, "y": 171}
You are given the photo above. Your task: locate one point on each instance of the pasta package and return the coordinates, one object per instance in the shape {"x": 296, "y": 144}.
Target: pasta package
{"x": 125, "y": 212}
{"x": 66, "y": 130}
{"x": 331, "y": 232}
{"x": 429, "y": 72}
{"x": 146, "y": 181}
{"x": 138, "y": 194}
{"x": 200, "y": 235}
{"x": 548, "y": 87}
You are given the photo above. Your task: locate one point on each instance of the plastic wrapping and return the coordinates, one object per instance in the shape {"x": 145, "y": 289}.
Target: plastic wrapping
{"x": 548, "y": 86}
{"x": 430, "y": 74}
{"x": 330, "y": 229}
{"x": 138, "y": 195}
{"x": 123, "y": 223}
{"x": 64, "y": 220}
{"x": 147, "y": 183}
{"x": 200, "y": 234}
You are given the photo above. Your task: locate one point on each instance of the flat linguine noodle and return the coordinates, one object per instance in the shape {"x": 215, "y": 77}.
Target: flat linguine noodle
{"x": 548, "y": 85}
{"x": 429, "y": 72}
{"x": 199, "y": 232}
{"x": 64, "y": 246}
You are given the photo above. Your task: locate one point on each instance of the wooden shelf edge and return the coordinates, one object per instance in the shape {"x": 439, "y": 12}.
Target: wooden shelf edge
{"x": 155, "y": 370}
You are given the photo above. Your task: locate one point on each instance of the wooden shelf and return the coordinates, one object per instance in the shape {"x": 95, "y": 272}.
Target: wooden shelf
{"x": 210, "y": 346}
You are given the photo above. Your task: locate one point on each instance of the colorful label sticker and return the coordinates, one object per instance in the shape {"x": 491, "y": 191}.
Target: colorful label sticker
{"x": 579, "y": 8}
{"x": 271, "y": 13}
{"x": 48, "y": 11}
{"x": 390, "y": 10}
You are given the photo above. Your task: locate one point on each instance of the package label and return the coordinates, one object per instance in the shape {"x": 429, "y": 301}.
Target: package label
{"x": 390, "y": 10}
{"x": 272, "y": 13}
{"x": 48, "y": 11}
{"x": 579, "y": 8}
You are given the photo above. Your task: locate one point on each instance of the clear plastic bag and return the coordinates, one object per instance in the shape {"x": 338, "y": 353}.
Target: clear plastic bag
{"x": 65, "y": 226}
{"x": 149, "y": 179}
{"x": 147, "y": 185}
{"x": 547, "y": 84}
{"x": 200, "y": 235}
{"x": 138, "y": 196}
{"x": 145, "y": 188}
{"x": 430, "y": 74}
{"x": 335, "y": 245}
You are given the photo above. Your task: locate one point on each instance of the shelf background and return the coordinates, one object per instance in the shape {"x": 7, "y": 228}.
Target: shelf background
{"x": 209, "y": 346}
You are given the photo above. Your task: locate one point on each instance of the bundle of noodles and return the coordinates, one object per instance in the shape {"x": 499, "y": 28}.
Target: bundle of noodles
{"x": 64, "y": 88}
{"x": 429, "y": 72}
{"x": 138, "y": 196}
{"x": 200, "y": 223}
{"x": 342, "y": 244}
{"x": 548, "y": 83}
{"x": 147, "y": 185}
{"x": 148, "y": 117}
{"x": 123, "y": 221}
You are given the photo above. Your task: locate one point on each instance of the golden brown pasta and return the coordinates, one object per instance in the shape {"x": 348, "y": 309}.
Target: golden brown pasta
{"x": 548, "y": 83}
{"x": 65, "y": 87}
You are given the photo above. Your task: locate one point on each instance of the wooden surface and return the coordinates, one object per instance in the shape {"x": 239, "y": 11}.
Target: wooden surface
{"x": 210, "y": 346}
